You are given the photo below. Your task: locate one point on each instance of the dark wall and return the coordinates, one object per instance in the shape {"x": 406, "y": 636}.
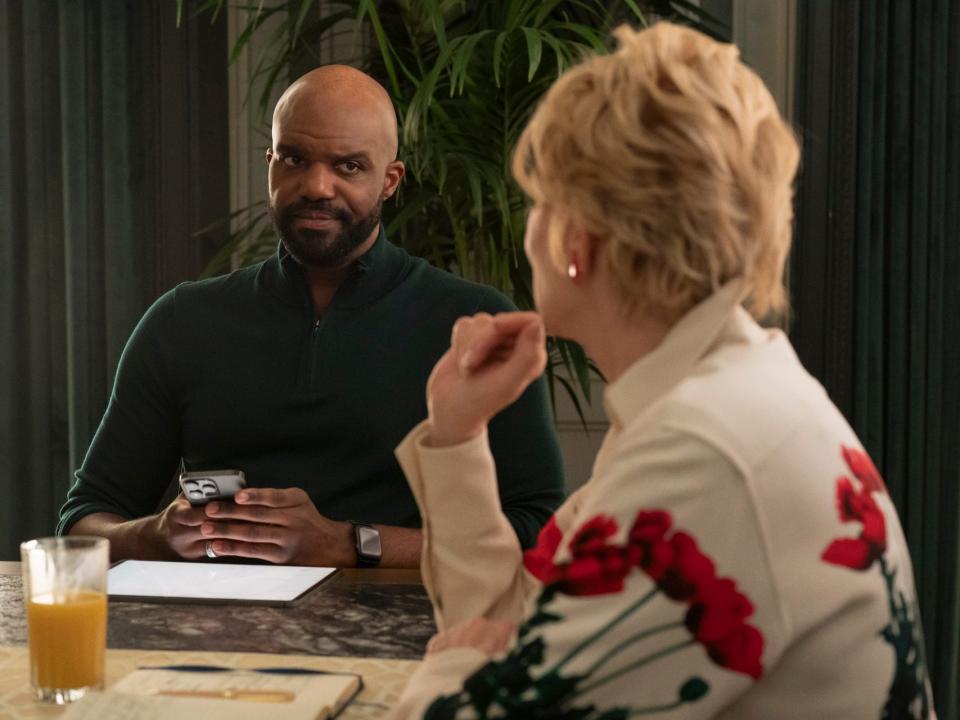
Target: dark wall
{"x": 113, "y": 150}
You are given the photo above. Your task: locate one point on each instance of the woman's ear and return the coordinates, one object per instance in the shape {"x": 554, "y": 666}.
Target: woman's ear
{"x": 583, "y": 251}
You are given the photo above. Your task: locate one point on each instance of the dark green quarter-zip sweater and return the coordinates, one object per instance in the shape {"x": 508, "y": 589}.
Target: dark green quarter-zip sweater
{"x": 239, "y": 372}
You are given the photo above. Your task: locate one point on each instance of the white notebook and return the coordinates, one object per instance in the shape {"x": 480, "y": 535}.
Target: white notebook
{"x": 153, "y": 581}
{"x": 235, "y": 695}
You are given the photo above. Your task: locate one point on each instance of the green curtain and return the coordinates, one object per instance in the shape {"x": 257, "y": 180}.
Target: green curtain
{"x": 876, "y": 270}
{"x": 113, "y": 139}
{"x": 907, "y": 394}
{"x": 73, "y": 280}
{"x": 33, "y": 407}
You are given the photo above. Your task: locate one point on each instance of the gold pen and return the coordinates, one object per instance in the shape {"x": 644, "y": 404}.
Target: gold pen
{"x": 230, "y": 694}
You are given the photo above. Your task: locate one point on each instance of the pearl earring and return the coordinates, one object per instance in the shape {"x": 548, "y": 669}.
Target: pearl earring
{"x": 573, "y": 270}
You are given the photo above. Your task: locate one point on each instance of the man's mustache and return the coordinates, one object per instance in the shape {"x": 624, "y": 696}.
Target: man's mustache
{"x": 318, "y": 206}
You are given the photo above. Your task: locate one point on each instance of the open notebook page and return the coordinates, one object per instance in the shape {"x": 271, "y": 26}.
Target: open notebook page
{"x": 295, "y": 697}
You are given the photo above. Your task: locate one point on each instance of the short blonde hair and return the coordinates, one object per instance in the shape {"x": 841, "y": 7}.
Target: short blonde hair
{"x": 674, "y": 151}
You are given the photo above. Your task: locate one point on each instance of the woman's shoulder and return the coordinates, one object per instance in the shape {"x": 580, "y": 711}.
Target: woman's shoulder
{"x": 749, "y": 400}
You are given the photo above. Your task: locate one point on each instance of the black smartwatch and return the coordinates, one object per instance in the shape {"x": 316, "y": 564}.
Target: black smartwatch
{"x": 366, "y": 540}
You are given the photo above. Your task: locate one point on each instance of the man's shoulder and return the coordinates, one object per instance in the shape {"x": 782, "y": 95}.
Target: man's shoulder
{"x": 233, "y": 284}
{"x": 197, "y": 303}
{"x": 453, "y": 290}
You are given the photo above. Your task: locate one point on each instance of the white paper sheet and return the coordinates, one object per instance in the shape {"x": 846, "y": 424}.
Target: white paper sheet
{"x": 212, "y": 582}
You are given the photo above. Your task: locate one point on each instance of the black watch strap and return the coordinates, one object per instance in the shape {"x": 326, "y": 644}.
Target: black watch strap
{"x": 366, "y": 541}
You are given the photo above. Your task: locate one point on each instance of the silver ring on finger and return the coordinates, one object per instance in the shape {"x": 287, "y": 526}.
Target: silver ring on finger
{"x": 210, "y": 553}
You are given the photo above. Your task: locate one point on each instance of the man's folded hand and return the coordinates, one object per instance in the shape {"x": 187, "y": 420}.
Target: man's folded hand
{"x": 279, "y": 526}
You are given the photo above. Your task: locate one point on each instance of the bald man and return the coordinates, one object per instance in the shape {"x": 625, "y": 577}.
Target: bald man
{"x": 303, "y": 371}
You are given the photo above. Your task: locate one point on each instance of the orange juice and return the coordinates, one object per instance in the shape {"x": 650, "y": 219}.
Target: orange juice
{"x": 68, "y": 637}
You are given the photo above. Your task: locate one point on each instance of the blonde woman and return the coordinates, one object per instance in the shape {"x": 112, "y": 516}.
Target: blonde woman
{"x": 735, "y": 553}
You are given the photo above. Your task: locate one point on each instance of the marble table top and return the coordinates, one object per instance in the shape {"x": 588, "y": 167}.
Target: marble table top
{"x": 355, "y": 614}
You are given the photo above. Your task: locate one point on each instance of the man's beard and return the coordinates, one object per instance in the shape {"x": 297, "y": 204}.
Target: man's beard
{"x": 323, "y": 248}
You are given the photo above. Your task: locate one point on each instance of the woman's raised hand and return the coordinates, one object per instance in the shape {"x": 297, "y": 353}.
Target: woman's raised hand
{"x": 491, "y": 360}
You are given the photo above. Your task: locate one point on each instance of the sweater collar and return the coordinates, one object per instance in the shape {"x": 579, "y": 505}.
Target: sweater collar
{"x": 371, "y": 276}
{"x": 654, "y": 375}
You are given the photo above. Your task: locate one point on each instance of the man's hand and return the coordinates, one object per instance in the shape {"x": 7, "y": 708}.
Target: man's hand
{"x": 490, "y": 637}
{"x": 171, "y": 534}
{"x": 177, "y": 527}
{"x": 490, "y": 362}
{"x": 279, "y": 526}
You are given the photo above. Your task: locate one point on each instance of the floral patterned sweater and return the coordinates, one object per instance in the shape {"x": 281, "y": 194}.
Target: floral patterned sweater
{"x": 733, "y": 555}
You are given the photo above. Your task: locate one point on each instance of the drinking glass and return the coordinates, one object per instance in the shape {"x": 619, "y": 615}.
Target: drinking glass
{"x": 65, "y": 595}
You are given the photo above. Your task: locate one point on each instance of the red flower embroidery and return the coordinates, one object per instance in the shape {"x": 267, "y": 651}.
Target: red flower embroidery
{"x": 857, "y": 553}
{"x": 539, "y": 559}
{"x": 863, "y": 469}
{"x": 908, "y": 687}
{"x": 717, "y": 621}
{"x": 717, "y": 610}
{"x": 599, "y": 574}
{"x": 689, "y": 569}
{"x": 593, "y": 535}
{"x": 596, "y": 568}
{"x": 739, "y": 651}
{"x": 648, "y": 548}
{"x": 649, "y": 526}
{"x": 858, "y": 505}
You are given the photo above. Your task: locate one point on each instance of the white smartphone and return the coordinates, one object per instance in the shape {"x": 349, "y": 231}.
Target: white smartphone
{"x": 203, "y": 486}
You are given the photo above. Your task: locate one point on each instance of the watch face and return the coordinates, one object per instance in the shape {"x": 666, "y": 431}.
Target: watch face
{"x": 368, "y": 542}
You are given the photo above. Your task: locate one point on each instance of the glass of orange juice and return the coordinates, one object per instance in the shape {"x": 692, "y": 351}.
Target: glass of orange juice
{"x": 65, "y": 594}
